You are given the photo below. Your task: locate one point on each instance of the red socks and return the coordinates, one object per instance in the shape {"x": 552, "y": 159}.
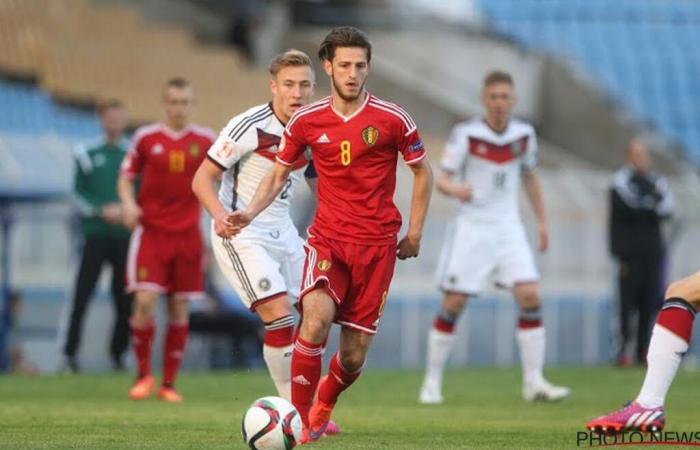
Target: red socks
{"x": 445, "y": 321}
{"x": 175, "y": 341}
{"x": 142, "y": 340}
{"x": 306, "y": 371}
{"x": 530, "y": 318}
{"x": 280, "y": 332}
{"x": 337, "y": 381}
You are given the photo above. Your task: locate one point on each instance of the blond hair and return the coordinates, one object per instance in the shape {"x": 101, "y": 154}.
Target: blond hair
{"x": 289, "y": 58}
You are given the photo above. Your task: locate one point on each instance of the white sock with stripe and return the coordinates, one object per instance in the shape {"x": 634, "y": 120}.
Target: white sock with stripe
{"x": 669, "y": 342}
{"x": 663, "y": 359}
{"x": 277, "y": 353}
{"x": 532, "y": 343}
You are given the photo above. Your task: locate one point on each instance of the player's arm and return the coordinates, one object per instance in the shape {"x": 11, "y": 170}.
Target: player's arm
{"x": 127, "y": 196}
{"x": 446, "y": 184}
{"x": 452, "y": 163}
{"x": 269, "y": 188}
{"x": 129, "y": 171}
{"x": 666, "y": 200}
{"x": 82, "y": 200}
{"x": 203, "y": 187}
{"x": 409, "y": 246}
{"x": 531, "y": 182}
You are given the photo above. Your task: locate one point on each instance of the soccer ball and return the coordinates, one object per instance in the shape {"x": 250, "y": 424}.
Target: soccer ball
{"x": 271, "y": 423}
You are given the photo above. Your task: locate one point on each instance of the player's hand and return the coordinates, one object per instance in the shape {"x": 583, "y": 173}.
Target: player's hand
{"x": 130, "y": 215}
{"x": 463, "y": 192}
{"x": 223, "y": 226}
{"x": 112, "y": 213}
{"x": 408, "y": 247}
{"x": 239, "y": 220}
{"x": 543, "y": 239}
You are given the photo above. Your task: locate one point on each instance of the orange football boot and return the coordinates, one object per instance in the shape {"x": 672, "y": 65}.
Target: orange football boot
{"x": 142, "y": 388}
{"x": 169, "y": 395}
{"x": 319, "y": 416}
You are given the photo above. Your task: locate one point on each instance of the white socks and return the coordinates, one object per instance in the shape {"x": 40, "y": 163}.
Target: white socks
{"x": 279, "y": 364}
{"x": 663, "y": 358}
{"x": 439, "y": 348}
{"x": 531, "y": 342}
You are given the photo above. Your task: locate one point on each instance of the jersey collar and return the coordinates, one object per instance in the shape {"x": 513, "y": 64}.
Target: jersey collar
{"x": 272, "y": 108}
{"x": 358, "y": 111}
{"x": 172, "y": 134}
{"x": 499, "y": 133}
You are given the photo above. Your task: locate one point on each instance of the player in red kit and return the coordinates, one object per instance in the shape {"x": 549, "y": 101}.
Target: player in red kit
{"x": 166, "y": 252}
{"x": 355, "y": 140}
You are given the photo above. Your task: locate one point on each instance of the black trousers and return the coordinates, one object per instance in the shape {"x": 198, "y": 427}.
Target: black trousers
{"x": 639, "y": 284}
{"x": 96, "y": 252}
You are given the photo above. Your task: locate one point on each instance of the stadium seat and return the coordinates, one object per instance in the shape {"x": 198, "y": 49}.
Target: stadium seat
{"x": 639, "y": 51}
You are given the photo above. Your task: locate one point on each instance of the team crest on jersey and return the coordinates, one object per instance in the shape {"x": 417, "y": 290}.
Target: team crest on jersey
{"x": 370, "y": 135}
{"x": 324, "y": 265}
{"x": 194, "y": 149}
{"x": 225, "y": 150}
{"x": 143, "y": 273}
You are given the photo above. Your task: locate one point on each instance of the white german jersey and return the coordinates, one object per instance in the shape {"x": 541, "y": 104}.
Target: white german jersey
{"x": 246, "y": 149}
{"x": 491, "y": 163}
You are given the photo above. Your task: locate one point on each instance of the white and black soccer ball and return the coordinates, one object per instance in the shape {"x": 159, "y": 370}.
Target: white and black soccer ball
{"x": 271, "y": 423}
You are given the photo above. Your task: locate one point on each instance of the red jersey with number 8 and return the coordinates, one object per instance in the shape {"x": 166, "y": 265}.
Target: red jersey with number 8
{"x": 355, "y": 158}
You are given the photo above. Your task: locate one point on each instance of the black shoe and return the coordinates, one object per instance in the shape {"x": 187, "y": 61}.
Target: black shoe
{"x": 70, "y": 365}
{"x": 118, "y": 364}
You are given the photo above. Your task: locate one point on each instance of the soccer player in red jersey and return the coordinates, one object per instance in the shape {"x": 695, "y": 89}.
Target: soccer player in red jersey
{"x": 355, "y": 140}
{"x": 166, "y": 251}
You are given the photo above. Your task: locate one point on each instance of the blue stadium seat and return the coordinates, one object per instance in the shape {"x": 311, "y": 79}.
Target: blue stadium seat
{"x": 644, "y": 53}
{"x": 25, "y": 109}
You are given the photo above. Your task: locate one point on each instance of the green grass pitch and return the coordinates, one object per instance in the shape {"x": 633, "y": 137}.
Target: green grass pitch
{"x": 483, "y": 410}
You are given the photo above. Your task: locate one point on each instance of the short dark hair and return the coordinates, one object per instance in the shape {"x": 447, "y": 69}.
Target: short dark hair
{"x": 290, "y": 58}
{"x": 110, "y": 103}
{"x": 344, "y": 37}
{"x": 498, "y": 76}
{"x": 177, "y": 82}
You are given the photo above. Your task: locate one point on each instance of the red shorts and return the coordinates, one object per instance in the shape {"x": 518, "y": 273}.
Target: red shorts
{"x": 166, "y": 262}
{"x": 357, "y": 278}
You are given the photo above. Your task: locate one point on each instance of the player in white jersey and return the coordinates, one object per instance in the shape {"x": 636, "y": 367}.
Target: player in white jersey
{"x": 264, "y": 263}
{"x": 484, "y": 162}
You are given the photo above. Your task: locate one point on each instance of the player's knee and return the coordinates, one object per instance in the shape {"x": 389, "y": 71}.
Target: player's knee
{"x": 528, "y": 296}
{"x": 530, "y": 301}
{"x": 686, "y": 289}
{"x": 316, "y": 327}
{"x": 143, "y": 310}
{"x": 352, "y": 361}
{"x": 275, "y": 309}
{"x": 454, "y": 303}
